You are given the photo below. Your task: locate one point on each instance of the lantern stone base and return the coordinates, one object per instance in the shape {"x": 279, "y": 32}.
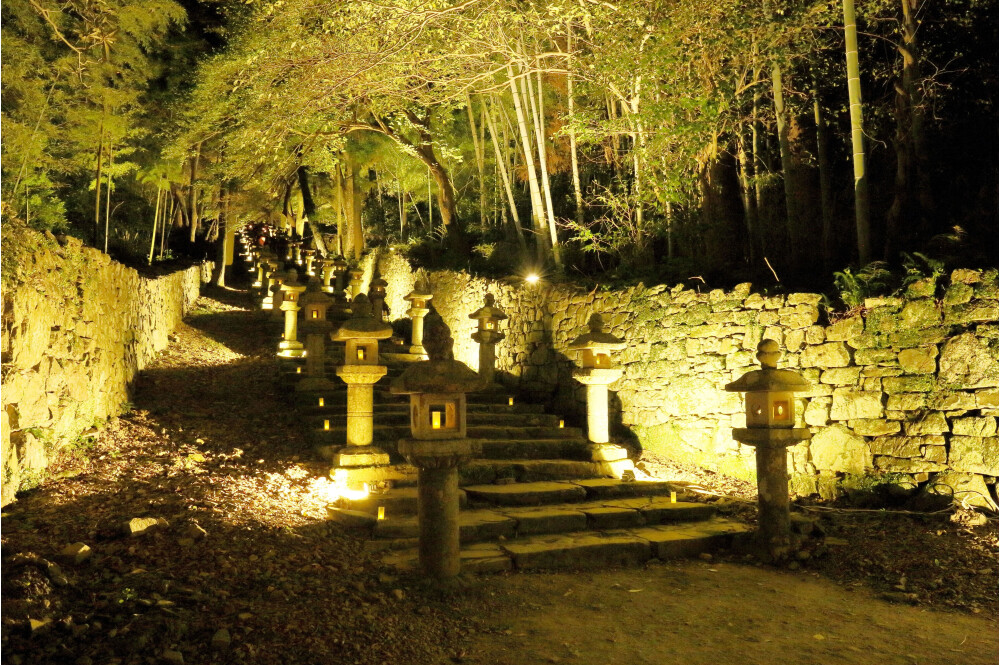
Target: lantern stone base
{"x": 356, "y": 476}
{"x": 774, "y": 531}
{"x": 607, "y": 452}
{"x": 355, "y": 456}
{"x": 291, "y": 349}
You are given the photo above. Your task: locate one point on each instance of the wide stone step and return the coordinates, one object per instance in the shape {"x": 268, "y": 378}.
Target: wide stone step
{"x": 536, "y": 448}
{"x": 489, "y": 471}
{"x": 526, "y": 494}
{"x": 399, "y": 501}
{"x": 387, "y": 435}
{"x": 477, "y": 525}
{"x": 590, "y": 549}
{"x": 399, "y": 415}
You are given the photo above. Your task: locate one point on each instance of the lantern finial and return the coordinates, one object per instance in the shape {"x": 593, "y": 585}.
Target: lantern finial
{"x": 768, "y": 353}
{"x": 438, "y": 340}
{"x": 596, "y": 323}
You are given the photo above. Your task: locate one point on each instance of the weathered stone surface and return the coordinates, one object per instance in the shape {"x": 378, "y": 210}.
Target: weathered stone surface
{"x": 845, "y": 329}
{"x": 922, "y": 313}
{"x": 973, "y": 426}
{"x": 578, "y": 551}
{"x": 974, "y": 454}
{"x": 837, "y": 448}
{"x": 841, "y": 376}
{"x": 987, "y": 399}
{"x": 874, "y": 426}
{"x": 817, "y": 412}
{"x": 922, "y": 288}
{"x": 139, "y": 526}
{"x": 957, "y": 294}
{"x": 968, "y": 363}
{"x": 963, "y": 489}
{"x": 875, "y": 356}
{"x": 919, "y": 361}
{"x": 830, "y": 354}
{"x": 932, "y": 422}
{"x": 76, "y": 552}
{"x": 908, "y": 384}
{"x": 902, "y": 446}
{"x": 906, "y": 465}
{"x": 951, "y": 401}
{"x": 850, "y": 404}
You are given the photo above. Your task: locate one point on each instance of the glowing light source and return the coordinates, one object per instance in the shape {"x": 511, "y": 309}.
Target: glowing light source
{"x": 298, "y": 370}
{"x": 315, "y": 313}
{"x": 321, "y": 402}
{"x": 361, "y": 353}
{"x": 510, "y": 401}
{"x": 436, "y": 419}
{"x": 562, "y": 424}
{"x": 532, "y": 278}
{"x": 326, "y": 424}
{"x": 381, "y": 512}
{"x": 673, "y": 497}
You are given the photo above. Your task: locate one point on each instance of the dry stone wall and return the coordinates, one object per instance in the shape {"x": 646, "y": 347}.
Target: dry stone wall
{"x": 907, "y": 385}
{"x": 77, "y": 327}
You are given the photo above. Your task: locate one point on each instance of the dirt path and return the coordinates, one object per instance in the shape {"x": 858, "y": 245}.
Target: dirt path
{"x": 263, "y": 579}
{"x": 694, "y": 613}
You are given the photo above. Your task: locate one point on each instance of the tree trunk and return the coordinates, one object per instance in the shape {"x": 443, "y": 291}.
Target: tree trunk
{"x": 501, "y": 162}
{"x": 857, "y": 135}
{"x": 309, "y": 210}
{"x": 97, "y": 185}
{"x": 192, "y": 195}
{"x": 529, "y": 159}
{"x": 220, "y": 274}
{"x": 745, "y": 170}
{"x": 793, "y": 223}
{"x": 480, "y": 160}
{"x": 107, "y": 201}
{"x": 571, "y": 107}
{"x": 825, "y": 183}
{"x": 538, "y": 110}
{"x": 167, "y": 220}
{"x": 156, "y": 217}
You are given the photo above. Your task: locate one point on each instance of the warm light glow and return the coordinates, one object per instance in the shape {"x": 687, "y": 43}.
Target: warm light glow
{"x": 315, "y": 313}
{"x": 361, "y": 353}
{"x": 673, "y": 497}
{"x": 562, "y": 424}
{"x": 326, "y": 424}
{"x": 436, "y": 420}
{"x": 532, "y": 278}
{"x": 298, "y": 370}
{"x": 381, "y": 512}
{"x": 489, "y": 325}
{"x": 321, "y": 402}
{"x": 510, "y": 401}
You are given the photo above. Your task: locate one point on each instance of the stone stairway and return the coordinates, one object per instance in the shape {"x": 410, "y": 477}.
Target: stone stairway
{"x": 531, "y": 499}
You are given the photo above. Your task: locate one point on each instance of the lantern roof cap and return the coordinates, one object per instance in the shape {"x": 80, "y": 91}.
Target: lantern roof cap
{"x": 769, "y": 378}
{"x": 362, "y": 325}
{"x": 596, "y": 338}
{"x": 314, "y": 294}
{"x": 489, "y": 310}
{"x": 437, "y": 376}
{"x": 421, "y": 290}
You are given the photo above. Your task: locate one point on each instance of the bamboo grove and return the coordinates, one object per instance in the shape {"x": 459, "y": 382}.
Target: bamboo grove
{"x": 776, "y": 140}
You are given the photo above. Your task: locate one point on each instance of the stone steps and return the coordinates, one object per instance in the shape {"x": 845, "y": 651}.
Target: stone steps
{"x": 588, "y": 549}
{"x": 399, "y": 415}
{"x": 388, "y": 436}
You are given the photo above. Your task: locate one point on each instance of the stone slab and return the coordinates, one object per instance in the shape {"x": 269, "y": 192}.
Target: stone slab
{"x": 474, "y": 526}
{"x": 605, "y": 516}
{"x": 526, "y": 494}
{"x": 585, "y": 550}
{"x": 397, "y": 501}
{"x": 605, "y": 488}
{"x": 547, "y": 520}
{"x": 657, "y": 510}
{"x": 675, "y": 541}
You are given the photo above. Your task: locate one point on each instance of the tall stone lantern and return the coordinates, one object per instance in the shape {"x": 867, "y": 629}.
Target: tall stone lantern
{"x": 597, "y": 372}
{"x": 355, "y": 286}
{"x": 271, "y": 272}
{"x": 418, "y": 298}
{"x": 438, "y": 446}
{"x": 376, "y": 293}
{"x": 360, "y": 372}
{"x": 315, "y": 327}
{"x": 326, "y": 273}
{"x": 770, "y": 412}
{"x": 339, "y": 270}
{"x": 278, "y": 293}
{"x": 488, "y": 334}
{"x": 295, "y": 252}
{"x": 310, "y": 256}
{"x": 290, "y": 346}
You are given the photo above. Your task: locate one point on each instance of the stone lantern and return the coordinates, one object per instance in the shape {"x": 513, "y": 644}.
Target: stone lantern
{"x": 376, "y": 293}
{"x": 360, "y": 372}
{"x": 310, "y": 257}
{"x": 295, "y": 252}
{"x": 355, "y": 274}
{"x": 270, "y": 273}
{"x": 326, "y": 273}
{"x": 488, "y": 334}
{"x": 770, "y": 411}
{"x": 278, "y": 293}
{"x": 290, "y": 346}
{"x": 339, "y": 270}
{"x": 418, "y": 298}
{"x": 315, "y": 327}
{"x": 438, "y": 446}
{"x": 597, "y": 372}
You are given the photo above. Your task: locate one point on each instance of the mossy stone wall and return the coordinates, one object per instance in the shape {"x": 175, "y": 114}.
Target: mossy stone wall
{"x": 77, "y": 327}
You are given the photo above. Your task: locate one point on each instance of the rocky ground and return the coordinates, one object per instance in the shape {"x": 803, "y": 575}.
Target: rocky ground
{"x": 234, "y": 562}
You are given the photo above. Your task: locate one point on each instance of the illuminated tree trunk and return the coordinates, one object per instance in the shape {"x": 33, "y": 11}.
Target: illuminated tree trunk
{"x": 543, "y": 162}
{"x": 825, "y": 186}
{"x": 309, "y": 210}
{"x": 107, "y": 201}
{"x": 571, "y": 107}
{"x": 857, "y": 135}
{"x": 193, "y": 195}
{"x": 501, "y": 162}
{"x": 480, "y": 160}
{"x": 156, "y": 217}
{"x": 529, "y": 159}
{"x": 97, "y": 184}
{"x": 793, "y": 222}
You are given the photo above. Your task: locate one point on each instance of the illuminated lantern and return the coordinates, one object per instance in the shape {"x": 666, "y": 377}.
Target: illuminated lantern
{"x": 438, "y": 446}
{"x": 770, "y": 414}
{"x": 355, "y": 274}
{"x": 290, "y": 346}
{"x": 315, "y": 328}
{"x": 360, "y": 371}
{"x": 326, "y": 270}
{"x": 597, "y": 372}
{"x": 488, "y": 334}
{"x": 376, "y": 293}
{"x": 270, "y": 273}
{"x": 419, "y": 298}
{"x": 310, "y": 257}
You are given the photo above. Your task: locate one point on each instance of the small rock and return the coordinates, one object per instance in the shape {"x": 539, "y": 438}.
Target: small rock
{"x": 185, "y": 542}
{"x": 794, "y": 565}
{"x": 505, "y": 481}
{"x": 76, "y": 552}
{"x": 705, "y": 556}
{"x": 899, "y": 597}
{"x": 55, "y": 574}
{"x": 398, "y": 593}
{"x": 38, "y": 625}
{"x": 803, "y": 555}
{"x": 221, "y": 639}
{"x": 139, "y": 526}
{"x": 173, "y": 657}
{"x": 193, "y": 530}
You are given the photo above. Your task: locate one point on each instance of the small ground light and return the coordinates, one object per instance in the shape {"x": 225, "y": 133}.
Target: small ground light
{"x": 381, "y": 512}
{"x": 298, "y": 370}
{"x": 326, "y": 424}
{"x": 510, "y": 401}
{"x": 673, "y": 497}
{"x": 321, "y": 402}
{"x": 562, "y": 424}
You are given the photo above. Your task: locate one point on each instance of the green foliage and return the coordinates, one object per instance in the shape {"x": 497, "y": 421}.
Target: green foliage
{"x": 871, "y": 280}
{"x": 919, "y": 266}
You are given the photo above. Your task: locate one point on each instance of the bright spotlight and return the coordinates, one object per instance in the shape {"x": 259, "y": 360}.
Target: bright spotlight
{"x": 532, "y": 278}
